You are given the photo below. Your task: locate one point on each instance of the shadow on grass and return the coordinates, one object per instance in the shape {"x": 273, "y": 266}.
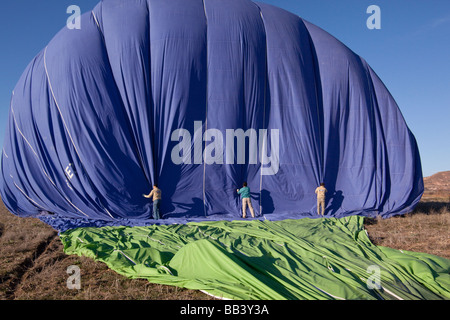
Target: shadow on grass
{"x": 423, "y": 207}
{"x": 432, "y": 207}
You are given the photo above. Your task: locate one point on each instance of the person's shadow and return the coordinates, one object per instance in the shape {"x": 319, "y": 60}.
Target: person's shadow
{"x": 336, "y": 202}
{"x": 267, "y": 205}
{"x": 264, "y": 199}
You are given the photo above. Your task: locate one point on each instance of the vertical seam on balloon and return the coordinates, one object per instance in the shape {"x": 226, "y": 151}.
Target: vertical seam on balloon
{"x": 75, "y": 206}
{"x": 152, "y": 177}
{"x": 151, "y": 99}
{"x": 316, "y": 68}
{"x": 64, "y": 122}
{"x": 23, "y": 192}
{"x": 95, "y": 19}
{"x": 18, "y": 129}
{"x": 138, "y": 153}
{"x": 26, "y": 140}
{"x": 206, "y": 106}
{"x": 264, "y": 113}
{"x": 374, "y": 104}
{"x": 321, "y": 150}
{"x": 154, "y": 163}
{"x": 372, "y": 117}
{"x": 57, "y": 105}
{"x": 45, "y": 173}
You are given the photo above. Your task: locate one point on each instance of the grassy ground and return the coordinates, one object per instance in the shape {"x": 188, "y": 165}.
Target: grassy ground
{"x": 424, "y": 230}
{"x": 33, "y": 265}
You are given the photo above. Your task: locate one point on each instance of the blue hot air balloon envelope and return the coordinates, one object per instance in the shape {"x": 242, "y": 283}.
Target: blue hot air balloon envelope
{"x": 198, "y": 97}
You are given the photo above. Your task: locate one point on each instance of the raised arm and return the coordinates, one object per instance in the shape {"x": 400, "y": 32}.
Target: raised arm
{"x": 149, "y": 195}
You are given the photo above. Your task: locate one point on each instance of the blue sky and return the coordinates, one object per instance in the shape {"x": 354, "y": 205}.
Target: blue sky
{"x": 410, "y": 53}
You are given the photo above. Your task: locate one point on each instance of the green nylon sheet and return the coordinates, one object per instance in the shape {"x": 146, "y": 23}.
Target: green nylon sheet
{"x": 305, "y": 259}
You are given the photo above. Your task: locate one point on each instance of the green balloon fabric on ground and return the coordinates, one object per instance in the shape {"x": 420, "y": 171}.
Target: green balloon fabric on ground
{"x": 305, "y": 259}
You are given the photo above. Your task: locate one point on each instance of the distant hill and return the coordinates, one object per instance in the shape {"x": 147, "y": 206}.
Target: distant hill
{"x": 437, "y": 187}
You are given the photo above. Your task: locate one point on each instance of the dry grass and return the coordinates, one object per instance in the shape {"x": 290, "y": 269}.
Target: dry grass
{"x": 33, "y": 265}
{"x": 424, "y": 230}
{"x": 436, "y": 197}
{"x": 46, "y": 279}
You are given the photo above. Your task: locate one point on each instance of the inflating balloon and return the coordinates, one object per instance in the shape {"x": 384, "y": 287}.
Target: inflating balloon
{"x": 199, "y": 97}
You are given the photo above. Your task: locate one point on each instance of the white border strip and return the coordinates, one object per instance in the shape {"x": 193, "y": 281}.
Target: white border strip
{"x": 120, "y": 251}
{"x": 65, "y": 126}
{"x": 211, "y": 295}
{"x": 57, "y": 105}
{"x": 206, "y": 108}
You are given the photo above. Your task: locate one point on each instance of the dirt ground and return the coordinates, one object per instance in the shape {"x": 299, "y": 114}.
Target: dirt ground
{"x": 33, "y": 265}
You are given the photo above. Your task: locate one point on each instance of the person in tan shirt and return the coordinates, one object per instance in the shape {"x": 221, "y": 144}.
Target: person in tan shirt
{"x": 320, "y": 191}
{"x": 156, "y": 194}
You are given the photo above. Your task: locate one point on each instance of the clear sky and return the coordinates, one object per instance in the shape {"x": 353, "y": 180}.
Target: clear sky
{"x": 410, "y": 53}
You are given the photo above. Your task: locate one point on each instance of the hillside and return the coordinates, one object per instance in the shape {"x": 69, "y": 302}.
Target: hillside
{"x": 437, "y": 187}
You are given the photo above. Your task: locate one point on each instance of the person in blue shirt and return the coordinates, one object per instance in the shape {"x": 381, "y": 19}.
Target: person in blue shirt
{"x": 245, "y": 196}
